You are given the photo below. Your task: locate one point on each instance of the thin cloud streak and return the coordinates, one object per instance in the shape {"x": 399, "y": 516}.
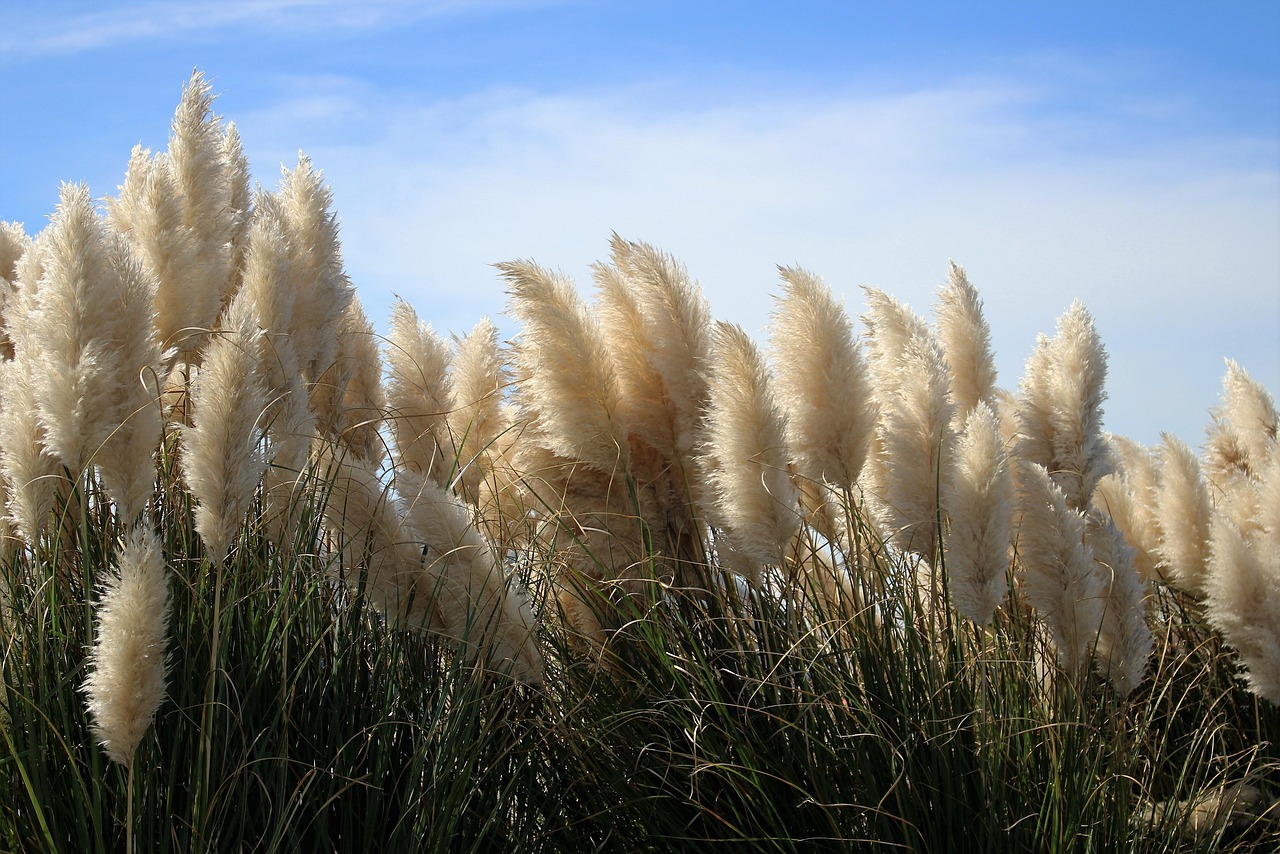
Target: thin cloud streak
{"x": 37, "y": 31}
{"x": 879, "y": 191}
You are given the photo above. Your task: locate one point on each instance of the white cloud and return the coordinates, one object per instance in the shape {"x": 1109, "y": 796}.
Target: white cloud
{"x": 1173, "y": 246}
{"x": 43, "y": 30}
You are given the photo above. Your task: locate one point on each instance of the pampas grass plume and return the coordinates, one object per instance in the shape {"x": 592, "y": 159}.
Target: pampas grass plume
{"x": 746, "y": 442}
{"x": 418, "y": 396}
{"x": 1183, "y": 509}
{"x": 822, "y": 382}
{"x": 127, "y": 666}
{"x": 979, "y": 503}
{"x": 965, "y": 338}
{"x": 1243, "y": 602}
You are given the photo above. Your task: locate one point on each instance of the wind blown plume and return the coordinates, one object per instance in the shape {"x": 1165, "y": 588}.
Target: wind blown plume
{"x": 677, "y": 329}
{"x": 914, "y": 434}
{"x": 1243, "y": 602}
{"x": 1124, "y": 639}
{"x": 478, "y": 608}
{"x": 1060, "y": 577}
{"x": 127, "y": 665}
{"x": 349, "y": 398}
{"x": 1061, "y": 407}
{"x": 822, "y": 382}
{"x": 1128, "y": 496}
{"x": 1183, "y": 512}
{"x": 379, "y": 554}
{"x": 1242, "y": 436}
{"x": 979, "y": 504}
{"x": 31, "y": 473}
{"x": 13, "y": 242}
{"x": 419, "y": 399}
{"x": 746, "y": 449}
{"x": 566, "y": 377}
{"x": 223, "y": 462}
{"x": 965, "y": 338}
{"x": 478, "y": 377}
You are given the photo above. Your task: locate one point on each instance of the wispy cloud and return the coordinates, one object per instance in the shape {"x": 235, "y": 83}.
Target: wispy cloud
{"x": 43, "y": 29}
{"x": 1154, "y": 235}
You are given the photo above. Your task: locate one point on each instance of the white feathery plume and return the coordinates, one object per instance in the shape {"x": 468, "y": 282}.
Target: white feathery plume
{"x": 419, "y": 398}
{"x": 822, "y": 382}
{"x": 1128, "y": 496}
{"x": 1243, "y": 602}
{"x": 31, "y": 472}
{"x": 90, "y": 354}
{"x": 477, "y": 606}
{"x": 379, "y": 553}
{"x": 566, "y": 377}
{"x": 353, "y": 405}
{"x": 979, "y": 502}
{"x": 222, "y": 460}
{"x": 1060, "y": 577}
{"x": 478, "y": 378}
{"x": 1242, "y": 435}
{"x": 914, "y": 434}
{"x": 746, "y": 442}
{"x": 149, "y": 213}
{"x": 127, "y": 460}
{"x": 678, "y": 327}
{"x": 965, "y": 338}
{"x": 240, "y": 201}
{"x": 126, "y": 681}
{"x": 13, "y": 242}
{"x": 1183, "y": 512}
{"x": 1124, "y": 639}
{"x": 1061, "y": 407}
{"x": 320, "y": 288}
{"x": 197, "y": 162}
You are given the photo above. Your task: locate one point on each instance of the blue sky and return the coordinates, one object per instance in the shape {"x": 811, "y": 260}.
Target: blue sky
{"x": 1126, "y": 156}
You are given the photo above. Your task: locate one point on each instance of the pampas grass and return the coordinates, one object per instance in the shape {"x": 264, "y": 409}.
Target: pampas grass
{"x": 633, "y": 591}
{"x": 746, "y": 449}
{"x": 979, "y": 503}
{"x": 127, "y": 667}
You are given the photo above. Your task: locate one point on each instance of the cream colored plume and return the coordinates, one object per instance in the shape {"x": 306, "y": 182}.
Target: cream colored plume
{"x": 348, "y": 398}
{"x": 1124, "y": 639}
{"x": 419, "y": 399}
{"x": 565, "y": 375}
{"x": 320, "y": 288}
{"x": 677, "y": 335}
{"x": 914, "y": 437}
{"x": 1128, "y": 496}
{"x": 1242, "y": 436}
{"x": 223, "y": 461}
{"x": 478, "y": 422}
{"x": 88, "y": 335}
{"x": 1061, "y": 398}
{"x": 746, "y": 448}
{"x": 479, "y": 609}
{"x": 240, "y": 202}
{"x": 1183, "y": 515}
{"x": 966, "y": 343}
{"x": 13, "y": 242}
{"x": 208, "y": 188}
{"x": 1243, "y": 601}
{"x": 822, "y": 382}
{"x": 979, "y": 502}
{"x": 379, "y": 554}
{"x": 1060, "y": 577}
{"x": 127, "y": 459}
{"x": 126, "y": 681}
{"x": 32, "y": 474}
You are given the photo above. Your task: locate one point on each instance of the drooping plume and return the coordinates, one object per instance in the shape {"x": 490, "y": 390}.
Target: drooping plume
{"x": 746, "y": 446}
{"x": 1124, "y": 639}
{"x": 1243, "y": 602}
{"x": 1183, "y": 510}
{"x": 478, "y": 378}
{"x": 565, "y": 377}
